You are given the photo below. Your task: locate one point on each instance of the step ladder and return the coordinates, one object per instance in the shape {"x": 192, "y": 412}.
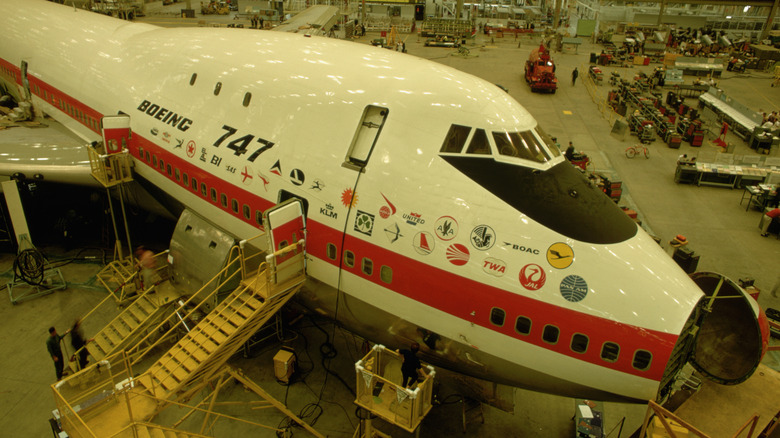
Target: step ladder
{"x": 203, "y": 351}
{"x": 129, "y": 327}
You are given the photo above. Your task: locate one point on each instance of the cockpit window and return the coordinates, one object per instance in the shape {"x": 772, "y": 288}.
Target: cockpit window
{"x": 455, "y": 139}
{"x": 479, "y": 143}
{"x": 521, "y": 145}
{"x": 551, "y": 146}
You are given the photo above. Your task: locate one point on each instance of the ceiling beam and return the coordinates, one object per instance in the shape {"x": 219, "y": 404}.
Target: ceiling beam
{"x": 754, "y": 3}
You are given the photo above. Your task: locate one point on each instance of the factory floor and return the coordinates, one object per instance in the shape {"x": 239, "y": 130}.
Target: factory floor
{"x": 719, "y": 230}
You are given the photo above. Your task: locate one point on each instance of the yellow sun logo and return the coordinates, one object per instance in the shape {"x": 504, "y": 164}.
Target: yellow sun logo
{"x": 348, "y": 198}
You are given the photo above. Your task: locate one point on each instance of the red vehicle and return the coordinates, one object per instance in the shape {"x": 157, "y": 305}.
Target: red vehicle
{"x": 540, "y": 70}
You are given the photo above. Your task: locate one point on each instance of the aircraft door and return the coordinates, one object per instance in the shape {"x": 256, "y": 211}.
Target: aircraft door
{"x": 25, "y": 81}
{"x": 366, "y": 136}
{"x": 286, "y": 225}
{"x": 116, "y": 132}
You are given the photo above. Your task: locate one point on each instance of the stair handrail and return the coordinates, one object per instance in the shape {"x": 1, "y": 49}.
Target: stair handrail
{"x": 233, "y": 256}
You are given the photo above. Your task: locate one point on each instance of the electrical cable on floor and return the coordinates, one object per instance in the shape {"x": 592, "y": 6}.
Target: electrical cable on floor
{"x": 28, "y": 265}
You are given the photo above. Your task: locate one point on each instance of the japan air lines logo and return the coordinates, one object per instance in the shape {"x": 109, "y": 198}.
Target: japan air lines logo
{"x": 532, "y": 277}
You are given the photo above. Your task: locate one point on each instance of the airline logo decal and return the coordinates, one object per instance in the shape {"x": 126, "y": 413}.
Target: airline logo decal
{"x": 264, "y": 179}
{"x": 424, "y": 243}
{"x": 276, "y": 169}
{"x": 458, "y": 254}
{"x": 560, "y": 255}
{"x": 165, "y": 115}
{"x": 246, "y": 176}
{"x": 532, "y": 276}
{"x": 317, "y": 185}
{"x": 364, "y": 222}
{"x": 191, "y": 148}
{"x": 522, "y": 248}
{"x": 297, "y": 177}
{"x": 446, "y": 228}
{"x": 179, "y": 142}
{"x": 155, "y": 131}
{"x": 574, "y": 288}
{"x": 482, "y": 237}
{"x": 387, "y": 210}
{"x": 494, "y": 267}
{"x": 414, "y": 219}
{"x": 393, "y": 233}
{"x": 348, "y": 198}
{"x": 328, "y": 211}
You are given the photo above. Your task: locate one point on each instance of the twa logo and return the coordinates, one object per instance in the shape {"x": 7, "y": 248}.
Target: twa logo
{"x": 387, "y": 210}
{"x": 494, "y": 267}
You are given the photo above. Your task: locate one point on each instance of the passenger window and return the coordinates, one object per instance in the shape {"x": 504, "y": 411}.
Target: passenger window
{"x": 479, "y": 143}
{"x": 642, "y": 359}
{"x": 185, "y": 179}
{"x": 579, "y": 343}
{"x": 610, "y": 351}
{"x": 455, "y": 139}
{"x": 367, "y": 266}
{"x": 178, "y": 174}
{"x": 141, "y": 152}
{"x": 194, "y": 184}
{"x": 386, "y": 274}
{"x": 259, "y": 217}
{"x": 550, "y": 334}
{"x": 154, "y": 160}
{"x": 204, "y": 190}
{"x": 234, "y": 205}
{"x": 193, "y": 78}
{"x": 523, "y": 325}
{"x": 349, "y": 259}
{"x": 247, "y": 98}
{"x": 497, "y": 316}
{"x": 162, "y": 164}
{"x": 222, "y": 197}
{"x": 147, "y": 156}
{"x": 331, "y": 251}
{"x": 217, "y": 88}
{"x": 168, "y": 169}
{"x": 247, "y": 212}
{"x": 214, "y": 196}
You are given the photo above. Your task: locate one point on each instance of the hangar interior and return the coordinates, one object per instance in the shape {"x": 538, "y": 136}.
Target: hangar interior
{"x": 705, "y": 209}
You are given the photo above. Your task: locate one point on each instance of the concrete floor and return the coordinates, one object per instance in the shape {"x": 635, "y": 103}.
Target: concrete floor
{"x": 719, "y": 229}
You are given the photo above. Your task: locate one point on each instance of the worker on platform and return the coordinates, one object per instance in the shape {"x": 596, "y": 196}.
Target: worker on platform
{"x": 411, "y": 368}
{"x": 569, "y": 154}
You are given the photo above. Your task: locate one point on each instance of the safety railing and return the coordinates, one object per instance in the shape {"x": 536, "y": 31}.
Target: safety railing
{"x": 375, "y": 392}
{"x": 110, "y": 169}
{"x": 601, "y": 102}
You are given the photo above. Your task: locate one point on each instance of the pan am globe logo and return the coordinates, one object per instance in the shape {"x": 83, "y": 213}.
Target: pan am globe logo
{"x": 574, "y": 288}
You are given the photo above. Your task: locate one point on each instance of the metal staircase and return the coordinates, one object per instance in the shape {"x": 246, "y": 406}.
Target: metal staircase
{"x": 148, "y": 430}
{"x": 127, "y": 328}
{"x": 203, "y": 351}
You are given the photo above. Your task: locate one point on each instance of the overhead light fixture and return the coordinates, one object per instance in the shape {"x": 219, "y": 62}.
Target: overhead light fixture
{"x": 728, "y": 17}
{"x": 747, "y": 8}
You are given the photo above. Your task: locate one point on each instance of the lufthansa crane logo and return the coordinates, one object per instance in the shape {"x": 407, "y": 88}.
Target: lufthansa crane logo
{"x": 560, "y": 255}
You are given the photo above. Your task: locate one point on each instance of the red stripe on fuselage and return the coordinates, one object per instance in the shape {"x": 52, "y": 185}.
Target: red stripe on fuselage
{"x": 441, "y": 289}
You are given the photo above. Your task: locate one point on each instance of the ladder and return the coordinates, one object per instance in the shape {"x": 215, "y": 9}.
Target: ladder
{"x": 128, "y": 327}
{"x": 206, "y": 348}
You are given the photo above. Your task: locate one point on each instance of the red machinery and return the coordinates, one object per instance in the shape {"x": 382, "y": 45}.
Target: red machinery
{"x": 540, "y": 70}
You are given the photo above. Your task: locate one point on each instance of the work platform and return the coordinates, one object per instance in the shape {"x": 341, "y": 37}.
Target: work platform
{"x": 379, "y": 391}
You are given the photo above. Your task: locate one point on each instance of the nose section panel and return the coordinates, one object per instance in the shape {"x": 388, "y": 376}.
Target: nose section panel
{"x": 733, "y": 333}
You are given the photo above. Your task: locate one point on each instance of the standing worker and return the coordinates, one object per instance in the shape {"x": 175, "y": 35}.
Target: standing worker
{"x": 767, "y": 219}
{"x": 53, "y": 345}
{"x": 411, "y": 367}
{"x": 574, "y": 75}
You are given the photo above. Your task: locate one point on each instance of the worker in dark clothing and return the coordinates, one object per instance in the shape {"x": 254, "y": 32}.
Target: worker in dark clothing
{"x": 411, "y": 367}
{"x": 574, "y": 75}
{"x": 569, "y": 154}
{"x": 53, "y": 345}
{"x": 77, "y": 341}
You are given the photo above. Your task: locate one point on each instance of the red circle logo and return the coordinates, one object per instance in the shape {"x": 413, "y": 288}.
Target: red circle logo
{"x": 532, "y": 277}
{"x": 384, "y": 212}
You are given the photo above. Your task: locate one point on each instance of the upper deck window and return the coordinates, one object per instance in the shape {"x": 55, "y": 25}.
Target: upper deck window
{"x": 523, "y": 145}
{"x": 455, "y": 139}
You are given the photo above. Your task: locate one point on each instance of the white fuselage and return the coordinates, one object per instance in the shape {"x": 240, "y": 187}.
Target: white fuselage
{"x": 420, "y": 239}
